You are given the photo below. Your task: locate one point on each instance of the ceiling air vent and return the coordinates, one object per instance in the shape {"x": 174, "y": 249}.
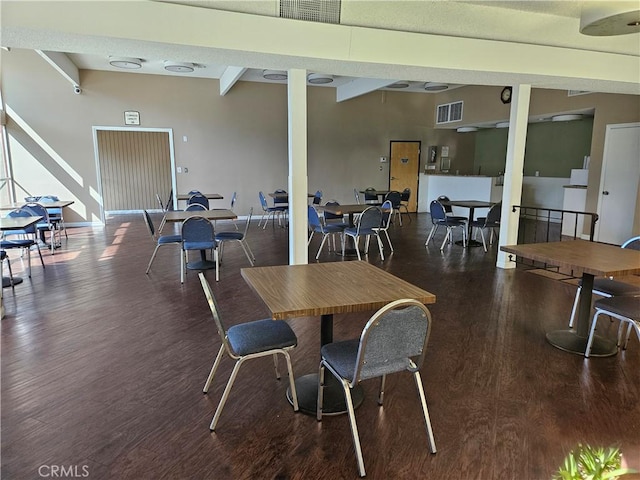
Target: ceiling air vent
{"x": 449, "y": 112}
{"x": 324, "y": 11}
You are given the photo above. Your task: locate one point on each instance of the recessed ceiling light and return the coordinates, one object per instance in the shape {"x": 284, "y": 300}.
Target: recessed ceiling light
{"x": 401, "y": 84}
{"x": 610, "y": 18}
{"x": 435, "y": 86}
{"x": 502, "y": 125}
{"x": 565, "y": 118}
{"x": 125, "y": 62}
{"x": 274, "y": 74}
{"x": 319, "y": 78}
{"x": 466, "y": 129}
{"x": 178, "y": 67}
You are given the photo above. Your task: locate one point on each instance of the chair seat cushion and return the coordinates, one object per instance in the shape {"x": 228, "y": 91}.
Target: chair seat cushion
{"x": 207, "y": 245}
{"x": 229, "y": 236}
{"x": 626, "y": 306}
{"x": 22, "y": 243}
{"x": 342, "y": 357}
{"x": 613, "y": 287}
{"x": 260, "y": 336}
{"x": 333, "y": 228}
{"x": 353, "y": 231}
{"x": 169, "y": 239}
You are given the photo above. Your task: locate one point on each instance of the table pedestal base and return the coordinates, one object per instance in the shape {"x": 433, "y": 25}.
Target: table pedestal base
{"x": 470, "y": 243}
{"x": 333, "y": 395}
{"x": 570, "y": 341}
{"x": 6, "y": 281}
{"x": 201, "y": 265}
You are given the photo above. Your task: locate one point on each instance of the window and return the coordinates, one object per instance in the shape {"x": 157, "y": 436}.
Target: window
{"x": 449, "y": 112}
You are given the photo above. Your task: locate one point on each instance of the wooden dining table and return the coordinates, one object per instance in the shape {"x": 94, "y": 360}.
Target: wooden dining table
{"x": 471, "y": 205}
{"x": 590, "y": 259}
{"x": 325, "y": 289}
{"x": 210, "y": 196}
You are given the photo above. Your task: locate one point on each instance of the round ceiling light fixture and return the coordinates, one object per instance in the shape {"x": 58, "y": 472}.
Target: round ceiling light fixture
{"x": 609, "y": 18}
{"x": 502, "y": 125}
{"x": 466, "y": 129}
{"x": 129, "y": 63}
{"x": 274, "y": 74}
{"x": 401, "y": 84}
{"x": 319, "y": 78}
{"x": 178, "y": 67}
{"x": 566, "y": 118}
{"x": 435, "y": 86}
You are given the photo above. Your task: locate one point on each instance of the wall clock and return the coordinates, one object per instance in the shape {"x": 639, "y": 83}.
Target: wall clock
{"x": 505, "y": 95}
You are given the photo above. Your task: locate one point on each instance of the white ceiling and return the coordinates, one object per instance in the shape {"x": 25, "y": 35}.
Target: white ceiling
{"x": 547, "y": 23}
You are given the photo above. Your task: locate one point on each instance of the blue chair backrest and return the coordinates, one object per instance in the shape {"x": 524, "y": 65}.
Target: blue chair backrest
{"x": 38, "y": 210}
{"x": 406, "y": 194}
{"x": 395, "y": 198}
{"x": 194, "y": 192}
{"x": 370, "y": 194}
{"x": 50, "y": 199}
{"x": 281, "y": 197}
{"x": 21, "y": 212}
{"x": 437, "y": 211}
{"x": 317, "y": 198}
{"x": 263, "y": 201}
{"x": 394, "y": 338}
{"x": 494, "y": 214}
{"x": 199, "y": 198}
{"x": 386, "y": 208}
{"x": 313, "y": 217}
{"x": 332, "y": 216}
{"x": 197, "y": 229}
{"x": 370, "y": 218}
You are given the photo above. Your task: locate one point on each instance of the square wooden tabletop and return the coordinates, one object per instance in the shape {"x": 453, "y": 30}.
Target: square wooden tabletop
{"x": 581, "y": 256}
{"x": 316, "y": 289}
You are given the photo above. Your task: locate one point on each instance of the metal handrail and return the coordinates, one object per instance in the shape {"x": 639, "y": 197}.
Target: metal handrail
{"x": 554, "y": 215}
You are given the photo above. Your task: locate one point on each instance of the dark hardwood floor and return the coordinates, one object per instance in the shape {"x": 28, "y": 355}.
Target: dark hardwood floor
{"x": 103, "y": 368}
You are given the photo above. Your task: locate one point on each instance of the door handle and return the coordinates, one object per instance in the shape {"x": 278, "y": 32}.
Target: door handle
{"x": 393, "y": 178}
{"x": 606, "y": 192}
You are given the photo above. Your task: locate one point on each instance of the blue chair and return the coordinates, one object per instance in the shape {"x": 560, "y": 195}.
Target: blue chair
{"x": 44, "y": 225}
{"x": 395, "y": 198}
{"x": 245, "y": 341}
{"x": 55, "y": 213}
{"x": 624, "y": 308}
{"x": 199, "y": 198}
{"x": 404, "y": 201}
{"x": 317, "y": 198}
{"x": 332, "y": 218}
{"x": 387, "y": 215}
{"x": 27, "y": 237}
{"x": 369, "y": 225}
{"x": 608, "y": 287}
{"x": 439, "y": 218}
{"x": 316, "y": 226}
{"x": 491, "y": 222}
{"x": 394, "y": 340}
{"x": 268, "y": 212}
{"x": 371, "y": 196}
{"x": 198, "y": 234}
{"x": 240, "y": 237}
{"x": 159, "y": 240}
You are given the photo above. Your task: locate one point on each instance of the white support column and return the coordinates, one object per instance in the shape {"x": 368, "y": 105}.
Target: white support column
{"x": 297, "y": 185}
{"x": 512, "y": 190}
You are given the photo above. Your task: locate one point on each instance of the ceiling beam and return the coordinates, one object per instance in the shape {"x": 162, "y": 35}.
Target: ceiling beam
{"x": 359, "y": 87}
{"x": 63, "y": 65}
{"x": 229, "y": 78}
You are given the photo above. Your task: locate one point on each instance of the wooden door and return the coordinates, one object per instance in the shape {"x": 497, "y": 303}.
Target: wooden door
{"x": 404, "y": 168}
{"x": 617, "y": 204}
{"x": 134, "y": 167}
